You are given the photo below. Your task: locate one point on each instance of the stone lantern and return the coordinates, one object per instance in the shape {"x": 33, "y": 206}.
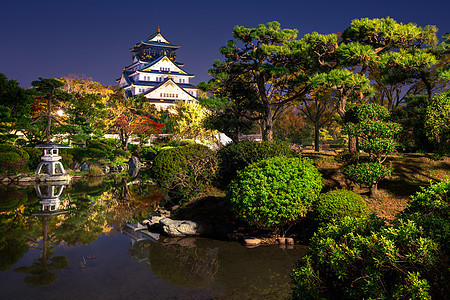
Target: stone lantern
{"x": 50, "y": 196}
{"x": 50, "y": 159}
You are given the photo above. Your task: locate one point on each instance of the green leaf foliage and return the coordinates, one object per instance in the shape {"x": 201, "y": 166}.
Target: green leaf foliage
{"x": 437, "y": 121}
{"x": 337, "y": 204}
{"x": 237, "y": 156}
{"x": 361, "y": 258}
{"x": 364, "y": 258}
{"x": 14, "y": 108}
{"x": 13, "y": 158}
{"x": 431, "y": 210}
{"x": 184, "y": 170}
{"x": 35, "y": 156}
{"x": 275, "y": 192}
{"x": 369, "y": 122}
{"x": 367, "y": 173}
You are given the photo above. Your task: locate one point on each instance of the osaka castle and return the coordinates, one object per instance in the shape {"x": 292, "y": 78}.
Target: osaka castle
{"x": 156, "y": 74}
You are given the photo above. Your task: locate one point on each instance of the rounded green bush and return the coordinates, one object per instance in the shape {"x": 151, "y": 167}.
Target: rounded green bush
{"x": 184, "y": 170}
{"x": 67, "y": 159}
{"x": 149, "y": 152}
{"x": 13, "y": 158}
{"x": 95, "y": 171}
{"x": 339, "y": 203}
{"x": 96, "y": 153}
{"x": 237, "y": 156}
{"x": 274, "y": 192}
{"x": 95, "y": 144}
{"x": 35, "y": 156}
{"x": 367, "y": 172}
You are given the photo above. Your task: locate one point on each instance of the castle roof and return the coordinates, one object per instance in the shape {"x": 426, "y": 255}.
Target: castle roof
{"x": 169, "y": 81}
{"x": 155, "y": 40}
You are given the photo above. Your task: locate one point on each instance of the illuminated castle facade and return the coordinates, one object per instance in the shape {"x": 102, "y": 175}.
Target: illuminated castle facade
{"x": 156, "y": 74}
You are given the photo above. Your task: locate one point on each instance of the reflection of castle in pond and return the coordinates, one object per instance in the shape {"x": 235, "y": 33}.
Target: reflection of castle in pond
{"x": 50, "y": 159}
{"x": 50, "y": 196}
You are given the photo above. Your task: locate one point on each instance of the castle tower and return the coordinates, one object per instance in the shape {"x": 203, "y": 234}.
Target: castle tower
{"x": 156, "y": 74}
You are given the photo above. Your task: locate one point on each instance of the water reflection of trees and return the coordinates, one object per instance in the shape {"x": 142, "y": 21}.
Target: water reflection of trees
{"x": 14, "y": 224}
{"x": 180, "y": 261}
{"x": 39, "y": 273}
{"x": 227, "y": 268}
{"x": 90, "y": 210}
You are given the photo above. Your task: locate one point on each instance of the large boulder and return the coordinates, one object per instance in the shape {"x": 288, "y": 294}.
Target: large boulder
{"x": 176, "y": 228}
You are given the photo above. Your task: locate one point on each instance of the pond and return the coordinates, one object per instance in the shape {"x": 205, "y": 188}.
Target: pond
{"x": 75, "y": 242}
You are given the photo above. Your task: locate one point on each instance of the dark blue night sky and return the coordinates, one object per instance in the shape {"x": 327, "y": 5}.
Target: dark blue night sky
{"x": 56, "y": 38}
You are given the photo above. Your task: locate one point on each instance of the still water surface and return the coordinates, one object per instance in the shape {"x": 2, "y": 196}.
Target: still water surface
{"x": 76, "y": 247}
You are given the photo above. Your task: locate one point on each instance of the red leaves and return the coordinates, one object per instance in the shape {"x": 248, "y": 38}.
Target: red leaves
{"x": 145, "y": 125}
{"x": 38, "y": 106}
{"x": 140, "y": 125}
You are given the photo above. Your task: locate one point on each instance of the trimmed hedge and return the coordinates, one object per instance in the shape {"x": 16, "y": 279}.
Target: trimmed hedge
{"x": 184, "y": 170}
{"x": 275, "y": 192}
{"x": 237, "y": 156}
{"x": 337, "y": 204}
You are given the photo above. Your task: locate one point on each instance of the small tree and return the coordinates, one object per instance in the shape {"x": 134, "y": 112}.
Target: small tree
{"x": 234, "y": 106}
{"x": 376, "y": 138}
{"x": 188, "y": 122}
{"x": 144, "y": 127}
{"x": 49, "y": 89}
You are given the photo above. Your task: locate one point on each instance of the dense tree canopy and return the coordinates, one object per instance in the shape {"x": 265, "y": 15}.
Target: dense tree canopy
{"x": 14, "y": 107}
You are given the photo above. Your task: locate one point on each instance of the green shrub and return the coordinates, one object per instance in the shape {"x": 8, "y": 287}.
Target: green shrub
{"x": 346, "y": 157}
{"x": 78, "y": 153}
{"x": 95, "y": 153}
{"x": 149, "y": 153}
{"x": 184, "y": 170}
{"x": 187, "y": 142}
{"x": 366, "y": 173}
{"x": 97, "y": 150}
{"x": 13, "y": 159}
{"x": 362, "y": 258}
{"x": 122, "y": 153}
{"x": 430, "y": 209}
{"x": 338, "y": 204}
{"x": 236, "y": 156}
{"x": 274, "y": 192}
{"x": 35, "y": 156}
{"x": 95, "y": 170}
{"x": 95, "y": 144}
{"x": 133, "y": 149}
{"x": 110, "y": 142}
{"x": 66, "y": 158}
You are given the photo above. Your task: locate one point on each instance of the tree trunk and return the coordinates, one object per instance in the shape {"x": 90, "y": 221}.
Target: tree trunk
{"x": 352, "y": 144}
{"x": 268, "y": 128}
{"x": 374, "y": 190}
{"x": 316, "y": 137}
{"x": 49, "y": 117}
{"x": 234, "y": 137}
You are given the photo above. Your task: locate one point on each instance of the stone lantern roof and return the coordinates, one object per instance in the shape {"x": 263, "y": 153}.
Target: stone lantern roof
{"x": 51, "y": 145}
